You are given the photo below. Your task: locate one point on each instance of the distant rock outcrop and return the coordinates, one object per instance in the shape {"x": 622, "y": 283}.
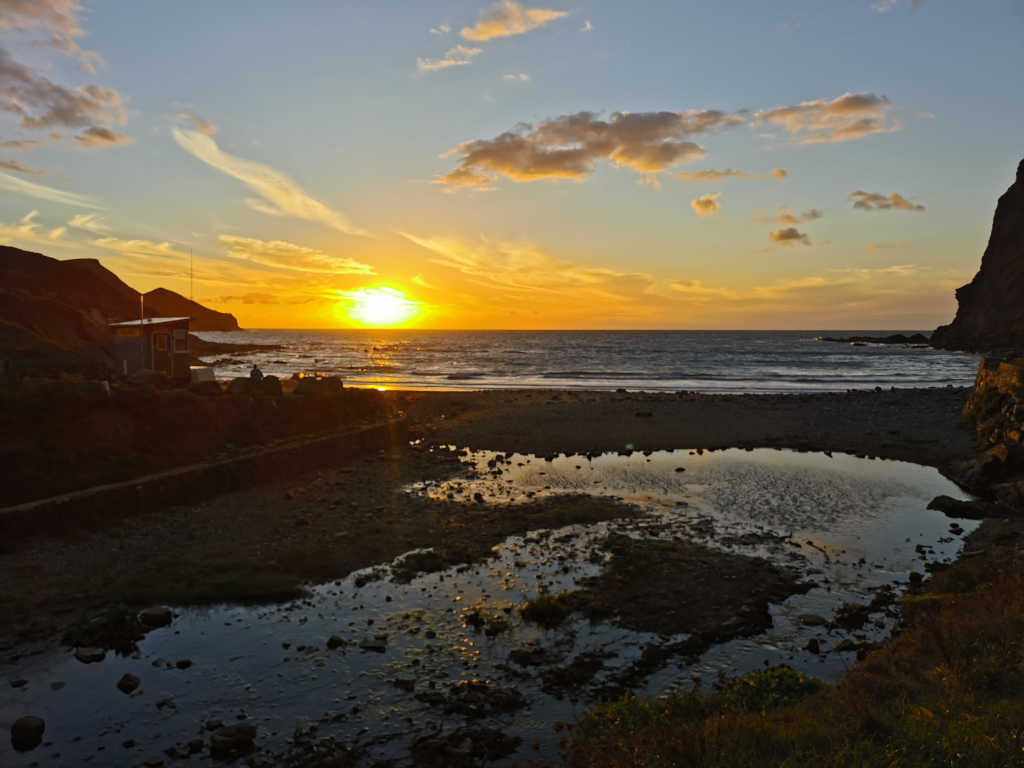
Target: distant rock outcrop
{"x": 56, "y": 313}
{"x": 161, "y": 302}
{"x": 991, "y": 307}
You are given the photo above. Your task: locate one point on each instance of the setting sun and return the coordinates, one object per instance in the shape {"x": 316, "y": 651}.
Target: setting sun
{"x": 382, "y": 306}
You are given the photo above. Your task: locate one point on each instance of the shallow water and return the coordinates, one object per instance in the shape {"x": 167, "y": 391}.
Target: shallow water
{"x": 849, "y": 524}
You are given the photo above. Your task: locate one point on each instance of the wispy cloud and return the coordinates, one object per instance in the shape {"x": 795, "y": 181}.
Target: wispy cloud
{"x": 507, "y": 18}
{"x": 522, "y": 77}
{"x": 27, "y": 230}
{"x": 785, "y": 215}
{"x": 788, "y": 236}
{"x": 884, "y": 6}
{"x": 779, "y": 173}
{"x": 14, "y": 165}
{"x": 89, "y": 223}
{"x": 197, "y": 122}
{"x": 283, "y": 194}
{"x": 568, "y": 147}
{"x": 715, "y": 176}
{"x": 31, "y": 189}
{"x": 587, "y": 26}
{"x": 706, "y": 206}
{"x": 872, "y": 201}
{"x": 99, "y": 138}
{"x": 25, "y": 145}
{"x": 459, "y": 56}
{"x": 847, "y": 117}
{"x": 281, "y": 254}
{"x": 441, "y": 29}
{"x": 140, "y": 248}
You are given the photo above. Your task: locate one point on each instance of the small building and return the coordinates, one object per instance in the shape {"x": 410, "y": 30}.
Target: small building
{"x": 154, "y": 343}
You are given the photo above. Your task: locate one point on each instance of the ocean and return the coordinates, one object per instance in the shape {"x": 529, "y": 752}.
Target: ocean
{"x": 704, "y": 361}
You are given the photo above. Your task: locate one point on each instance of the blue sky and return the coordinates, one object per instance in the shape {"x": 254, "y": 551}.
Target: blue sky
{"x": 914, "y": 103}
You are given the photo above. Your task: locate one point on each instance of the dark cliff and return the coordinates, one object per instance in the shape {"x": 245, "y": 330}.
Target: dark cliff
{"x": 161, "y": 302}
{"x": 991, "y": 307}
{"x": 57, "y": 311}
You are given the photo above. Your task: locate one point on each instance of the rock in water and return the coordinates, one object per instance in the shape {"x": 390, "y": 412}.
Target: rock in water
{"x": 90, "y": 655}
{"x": 128, "y": 683}
{"x": 27, "y": 733}
{"x": 232, "y": 740}
{"x": 156, "y": 616}
{"x": 991, "y": 307}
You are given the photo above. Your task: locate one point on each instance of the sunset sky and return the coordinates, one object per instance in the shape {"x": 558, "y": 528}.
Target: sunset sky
{"x": 595, "y": 164}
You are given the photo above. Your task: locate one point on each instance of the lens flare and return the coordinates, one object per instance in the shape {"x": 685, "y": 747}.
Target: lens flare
{"x": 382, "y": 306}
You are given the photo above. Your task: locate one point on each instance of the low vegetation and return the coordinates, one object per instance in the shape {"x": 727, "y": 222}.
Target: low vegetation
{"x": 944, "y": 692}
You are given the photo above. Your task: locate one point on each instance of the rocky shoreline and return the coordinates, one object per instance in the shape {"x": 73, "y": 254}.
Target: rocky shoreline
{"x": 319, "y": 526}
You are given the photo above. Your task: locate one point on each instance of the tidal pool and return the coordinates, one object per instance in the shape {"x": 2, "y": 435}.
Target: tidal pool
{"x": 849, "y": 525}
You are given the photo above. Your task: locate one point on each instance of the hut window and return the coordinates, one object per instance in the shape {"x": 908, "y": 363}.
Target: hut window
{"x": 161, "y": 342}
{"x": 181, "y": 341}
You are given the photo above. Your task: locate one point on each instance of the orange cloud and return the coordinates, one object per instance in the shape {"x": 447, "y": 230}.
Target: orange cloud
{"x": 847, "y": 117}
{"x": 872, "y": 201}
{"x": 788, "y": 236}
{"x": 569, "y": 146}
{"x": 507, "y": 18}
{"x": 706, "y": 206}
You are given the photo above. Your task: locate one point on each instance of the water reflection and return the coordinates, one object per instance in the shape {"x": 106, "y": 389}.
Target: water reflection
{"x": 351, "y": 660}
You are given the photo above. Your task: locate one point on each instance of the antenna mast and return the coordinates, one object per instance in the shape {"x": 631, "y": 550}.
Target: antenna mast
{"x": 191, "y": 291}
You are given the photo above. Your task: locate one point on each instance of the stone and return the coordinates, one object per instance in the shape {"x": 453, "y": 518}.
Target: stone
{"x": 813, "y": 645}
{"x": 156, "y": 616}
{"x": 128, "y": 683}
{"x": 335, "y": 642}
{"x": 153, "y": 761}
{"x": 88, "y": 655}
{"x": 183, "y": 663}
{"x": 27, "y": 732}
{"x": 812, "y": 620}
{"x": 372, "y": 644}
{"x": 195, "y": 746}
{"x": 19, "y": 683}
{"x": 232, "y": 740}
{"x": 990, "y": 312}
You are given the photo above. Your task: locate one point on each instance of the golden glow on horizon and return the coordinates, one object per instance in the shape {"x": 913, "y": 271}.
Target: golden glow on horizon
{"x": 379, "y": 307}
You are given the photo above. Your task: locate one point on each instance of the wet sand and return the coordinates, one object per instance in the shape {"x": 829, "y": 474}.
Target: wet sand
{"x": 923, "y": 425}
{"x": 262, "y": 544}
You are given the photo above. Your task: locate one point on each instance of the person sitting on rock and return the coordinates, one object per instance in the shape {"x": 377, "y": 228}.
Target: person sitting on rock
{"x": 256, "y": 374}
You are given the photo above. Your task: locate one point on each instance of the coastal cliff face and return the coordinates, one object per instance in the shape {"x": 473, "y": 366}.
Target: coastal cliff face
{"x": 991, "y": 307}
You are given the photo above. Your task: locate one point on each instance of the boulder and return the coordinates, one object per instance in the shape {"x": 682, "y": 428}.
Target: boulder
{"x": 27, "y": 733}
{"x": 990, "y": 314}
{"x": 128, "y": 683}
{"x": 232, "y": 740}
{"x": 156, "y": 616}
{"x": 88, "y": 655}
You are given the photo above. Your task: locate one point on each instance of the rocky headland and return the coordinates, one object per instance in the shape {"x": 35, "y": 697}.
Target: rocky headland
{"x": 990, "y": 315}
{"x": 54, "y": 314}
